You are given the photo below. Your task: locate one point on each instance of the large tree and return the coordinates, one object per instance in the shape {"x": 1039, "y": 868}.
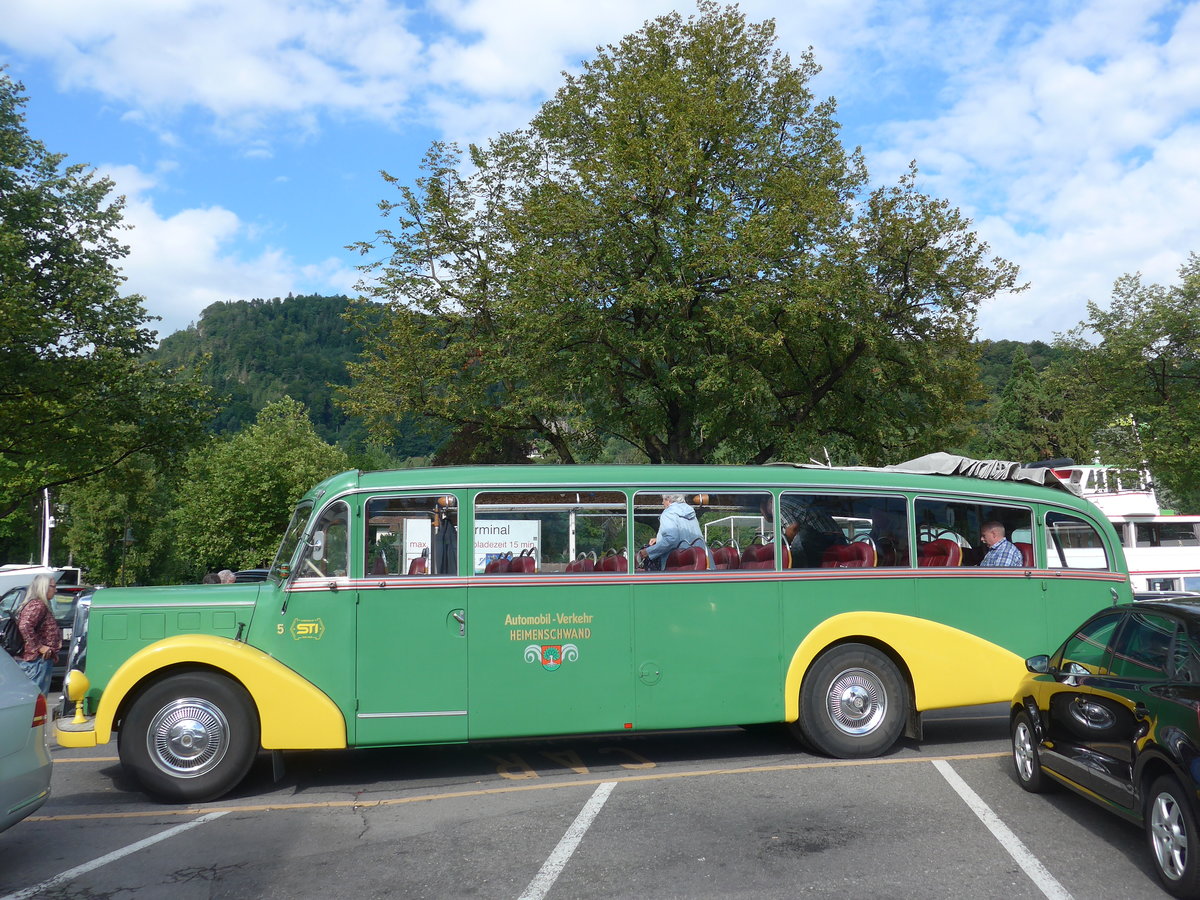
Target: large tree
{"x": 1137, "y": 372}
{"x": 678, "y": 253}
{"x": 76, "y": 397}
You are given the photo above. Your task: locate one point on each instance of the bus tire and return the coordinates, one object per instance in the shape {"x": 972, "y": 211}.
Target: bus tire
{"x": 853, "y": 702}
{"x": 190, "y": 737}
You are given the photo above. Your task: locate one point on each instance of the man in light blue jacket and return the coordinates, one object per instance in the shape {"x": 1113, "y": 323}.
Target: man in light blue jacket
{"x": 677, "y": 527}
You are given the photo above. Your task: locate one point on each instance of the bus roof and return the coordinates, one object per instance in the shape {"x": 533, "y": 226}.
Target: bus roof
{"x": 957, "y": 473}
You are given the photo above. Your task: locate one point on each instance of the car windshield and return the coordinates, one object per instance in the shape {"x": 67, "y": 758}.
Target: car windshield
{"x": 287, "y": 549}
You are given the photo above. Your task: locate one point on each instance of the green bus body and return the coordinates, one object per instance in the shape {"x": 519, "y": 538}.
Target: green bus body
{"x": 341, "y": 646}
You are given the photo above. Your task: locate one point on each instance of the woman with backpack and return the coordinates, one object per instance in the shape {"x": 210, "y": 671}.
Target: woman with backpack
{"x": 39, "y": 630}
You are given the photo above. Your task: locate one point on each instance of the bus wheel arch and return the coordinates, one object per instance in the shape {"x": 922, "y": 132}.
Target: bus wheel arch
{"x": 188, "y": 733}
{"x": 856, "y": 699}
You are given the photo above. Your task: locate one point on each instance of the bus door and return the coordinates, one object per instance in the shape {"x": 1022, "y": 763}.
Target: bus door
{"x": 411, "y": 671}
{"x": 1004, "y": 603}
{"x": 1082, "y": 573}
{"x": 707, "y": 639}
{"x": 549, "y": 613}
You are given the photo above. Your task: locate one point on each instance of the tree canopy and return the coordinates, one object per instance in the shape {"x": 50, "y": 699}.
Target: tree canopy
{"x": 76, "y": 396}
{"x": 1137, "y": 374}
{"x": 233, "y": 504}
{"x": 678, "y": 253}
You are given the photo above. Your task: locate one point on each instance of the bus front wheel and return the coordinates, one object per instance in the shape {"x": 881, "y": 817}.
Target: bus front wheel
{"x": 190, "y": 738}
{"x": 853, "y": 702}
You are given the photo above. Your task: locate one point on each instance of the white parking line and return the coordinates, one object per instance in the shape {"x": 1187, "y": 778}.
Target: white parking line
{"x": 553, "y": 866}
{"x": 1033, "y": 867}
{"x": 110, "y": 857}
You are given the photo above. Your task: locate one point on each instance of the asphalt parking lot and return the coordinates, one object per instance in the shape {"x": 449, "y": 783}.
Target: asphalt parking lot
{"x": 718, "y": 813}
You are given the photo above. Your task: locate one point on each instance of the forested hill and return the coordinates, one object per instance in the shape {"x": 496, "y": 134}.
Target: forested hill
{"x": 261, "y": 350}
{"x": 995, "y": 362}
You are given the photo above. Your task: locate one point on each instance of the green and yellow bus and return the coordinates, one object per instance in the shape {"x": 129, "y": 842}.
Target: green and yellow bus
{"x": 471, "y": 603}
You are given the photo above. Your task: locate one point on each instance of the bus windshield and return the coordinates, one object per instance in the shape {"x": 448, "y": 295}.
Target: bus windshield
{"x": 291, "y": 537}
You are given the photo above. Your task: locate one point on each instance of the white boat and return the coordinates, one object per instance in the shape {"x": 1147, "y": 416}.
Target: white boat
{"x": 1161, "y": 548}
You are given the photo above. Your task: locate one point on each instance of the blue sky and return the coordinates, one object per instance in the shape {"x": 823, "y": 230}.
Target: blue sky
{"x": 247, "y": 135}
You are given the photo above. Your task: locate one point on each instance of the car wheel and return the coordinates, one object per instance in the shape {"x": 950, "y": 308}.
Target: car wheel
{"x": 1170, "y": 828}
{"x": 190, "y": 737}
{"x": 1026, "y": 759}
{"x": 853, "y": 702}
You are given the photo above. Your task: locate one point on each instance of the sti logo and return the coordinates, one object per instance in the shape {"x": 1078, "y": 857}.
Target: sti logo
{"x": 303, "y": 629}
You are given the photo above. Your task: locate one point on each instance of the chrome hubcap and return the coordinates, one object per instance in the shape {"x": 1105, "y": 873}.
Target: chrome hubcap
{"x": 856, "y": 702}
{"x": 1168, "y": 833}
{"x": 188, "y": 737}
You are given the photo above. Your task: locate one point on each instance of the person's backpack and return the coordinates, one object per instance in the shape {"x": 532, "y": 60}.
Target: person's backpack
{"x": 13, "y": 643}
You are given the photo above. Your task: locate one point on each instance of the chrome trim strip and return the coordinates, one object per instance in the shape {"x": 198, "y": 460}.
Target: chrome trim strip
{"x": 412, "y": 715}
{"x": 148, "y": 607}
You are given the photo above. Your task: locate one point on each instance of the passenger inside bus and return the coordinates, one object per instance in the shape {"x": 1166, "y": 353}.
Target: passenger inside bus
{"x": 678, "y": 529}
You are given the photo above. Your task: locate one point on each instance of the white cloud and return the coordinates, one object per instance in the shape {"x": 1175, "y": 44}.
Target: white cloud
{"x": 242, "y": 60}
{"x": 1075, "y": 148}
{"x": 183, "y": 262}
{"x": 1066, "y": 129}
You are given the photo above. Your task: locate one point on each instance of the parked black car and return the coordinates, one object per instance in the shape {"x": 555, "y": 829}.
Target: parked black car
{"x": 1114, "y": 715}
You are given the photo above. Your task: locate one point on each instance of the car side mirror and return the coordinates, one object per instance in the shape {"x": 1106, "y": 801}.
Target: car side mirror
{"x": 1039, "y": 665}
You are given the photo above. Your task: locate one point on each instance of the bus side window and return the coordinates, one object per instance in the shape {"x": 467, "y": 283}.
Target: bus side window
{"x": 534, "y": 532}
{"x": 326, "y": 552}
{"x": 1073, "y": 543}
{"x": 949, "y": 532}
{"x": 839, "y": 532}
{"x": 737, "y": 530}
{"x": 414, "y": 536}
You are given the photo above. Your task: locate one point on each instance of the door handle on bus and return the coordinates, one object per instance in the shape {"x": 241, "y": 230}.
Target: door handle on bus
{"x": 461, "y": 618}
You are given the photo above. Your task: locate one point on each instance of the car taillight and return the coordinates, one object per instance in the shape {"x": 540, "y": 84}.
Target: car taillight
{"x": 39, "y": 711}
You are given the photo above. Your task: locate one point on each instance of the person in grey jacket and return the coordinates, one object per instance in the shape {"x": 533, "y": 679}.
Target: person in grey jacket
{"x": 677, "y": 527}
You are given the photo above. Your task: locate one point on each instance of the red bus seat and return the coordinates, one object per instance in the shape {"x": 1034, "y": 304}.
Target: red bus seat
{"x": 727, "y": 557}
{"x": 687, "y": 559}
{"x": 941, "y": 552}
{"x": 614, "y": 562}
{"x": 419, "y": 566}
{"x": 522, "y": 565}
{"x": 858, "y": 555}
{"x": 759, "y": 556}
{"x": 1026, "y": 553}
{"x": 497, "y": 566}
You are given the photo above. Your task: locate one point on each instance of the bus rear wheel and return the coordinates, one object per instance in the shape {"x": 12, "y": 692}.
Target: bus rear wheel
{"x": 190, "y": 738}
{"x": 853, "y": 702}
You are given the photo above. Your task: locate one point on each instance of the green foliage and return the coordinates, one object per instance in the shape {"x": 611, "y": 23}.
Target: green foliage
{"x": 680, "y": 255}
{"x": 1032, "y": 421}
{"x": 76, "y": 396}
{"x": 1140, "y": 381}
{"x": 232, "y": 506}
{"x": 117, "y": 525}
{"x": 996, "y": 361}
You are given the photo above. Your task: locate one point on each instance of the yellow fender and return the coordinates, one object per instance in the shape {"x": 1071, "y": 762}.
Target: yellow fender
{"x": 948, "y": 667}
{"x": 292, "y": 712}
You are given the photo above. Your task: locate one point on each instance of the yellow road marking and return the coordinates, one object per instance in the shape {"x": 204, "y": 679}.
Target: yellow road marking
{"x": 506, "y": 789}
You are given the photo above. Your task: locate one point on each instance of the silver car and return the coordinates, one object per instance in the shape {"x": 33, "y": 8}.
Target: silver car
{"x": 24, "y": 757}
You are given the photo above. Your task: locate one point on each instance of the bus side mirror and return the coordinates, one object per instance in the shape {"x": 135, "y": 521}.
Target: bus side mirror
{"x": 1038, "y": 665}
{"x": 318, "y": 545}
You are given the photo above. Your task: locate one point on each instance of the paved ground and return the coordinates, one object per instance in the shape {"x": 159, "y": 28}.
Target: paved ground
{"x": 721, "y": 813}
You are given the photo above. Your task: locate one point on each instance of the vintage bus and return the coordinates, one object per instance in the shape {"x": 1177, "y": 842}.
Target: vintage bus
{"x": 473, "y": 603}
